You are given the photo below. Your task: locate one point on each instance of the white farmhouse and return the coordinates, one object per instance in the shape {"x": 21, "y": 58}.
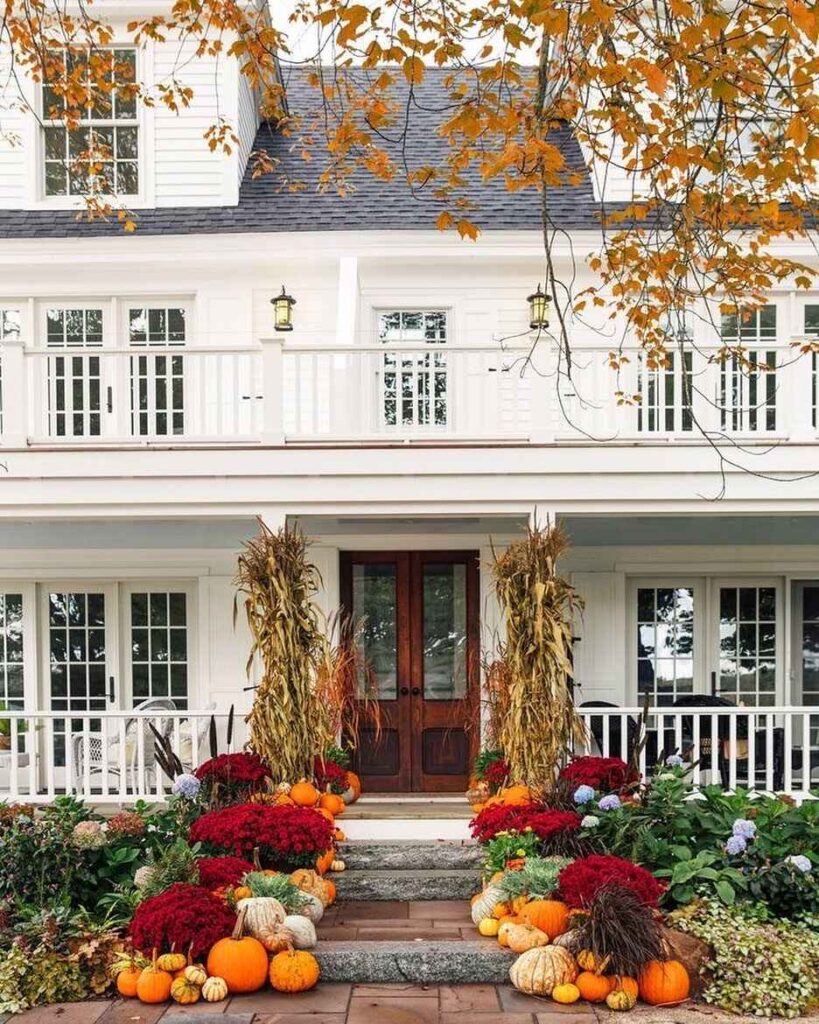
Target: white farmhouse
{"x": 150, "y": 412}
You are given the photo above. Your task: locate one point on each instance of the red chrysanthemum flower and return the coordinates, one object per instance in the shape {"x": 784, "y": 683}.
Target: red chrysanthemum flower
{"x": 286, "y": 837}
{"x": 554, "y": 828}
{"x": 330, "y": 775}
{"x": 607, "y": 774}
{"x": 184, "y": 916}
{"x": 215, "y": 872}
{"x": 579, "y": 881}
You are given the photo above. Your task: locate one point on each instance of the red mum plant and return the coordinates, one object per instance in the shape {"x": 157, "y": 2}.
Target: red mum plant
{"x": 607, "y": 774}
{"x": 330, "y": 776}
{"x": 217, "y": 872}
{"x": 286, "y": 837}
{"x": 232, "y": 778}
{"x": 556, "y": 830}
{"x": 184, "y": 916}
{"x": 496, "y": 774}
{"x": 580, "y": 881}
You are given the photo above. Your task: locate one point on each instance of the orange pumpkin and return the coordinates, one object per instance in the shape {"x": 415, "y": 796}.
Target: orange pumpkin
{"x": 293, "y": 970}
{"x": 283, "y": 798}
{"x": 332, "y": 802}
{"x": 242, "y": 892}
{"x": 339, "y": 836}
{"x": 551, "y": 916}
{"x": 323, "y": 861}
{"x": 154, "y": 984}
{"x": 354, "y": 783}
{"x": 325, "y": 813}
{"x": 594, "y": 987}
{"x": 304, "y": 794}
{"x": 331, "y": 891}
{"x": 664, "y": 982}
{"x": 502, "y": 910}
{"x": 628, "y": 985}
{"x": 240, "y": 960}
{"x": 127, "y": 981}
{"x": 516, "y": 796}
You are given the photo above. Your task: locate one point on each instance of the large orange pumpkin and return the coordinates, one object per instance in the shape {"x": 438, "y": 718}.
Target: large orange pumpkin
{"x": 304, "y": 794}
{"x": 551, "y": 916}
{"x": 332, "y": 802}
{"x": 293, "y": 970}
{"x": 593, "y": 987}
{"x": 240, "y": 960}
{"x": 664, "y": 982}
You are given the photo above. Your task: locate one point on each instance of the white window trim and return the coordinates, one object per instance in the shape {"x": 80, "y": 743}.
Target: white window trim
{"x": 30, "y": 648}
{"x": 125, "y": 303}
{"x": 35, "y": 150}
{"x": 379, "y": 309}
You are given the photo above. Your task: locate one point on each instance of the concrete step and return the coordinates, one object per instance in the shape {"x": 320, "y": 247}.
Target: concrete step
{"x": 405, "y": 884}
{"x": 393, "y": 855}
{"x": 417, "y": 961}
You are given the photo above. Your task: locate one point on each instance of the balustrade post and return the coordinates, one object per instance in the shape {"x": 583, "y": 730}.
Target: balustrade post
{"x": 273, "y": 391}
{"x": 15, "y": 394}
{"x": 544, "y": 397}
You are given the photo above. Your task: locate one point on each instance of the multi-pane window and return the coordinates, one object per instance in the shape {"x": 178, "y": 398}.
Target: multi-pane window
{"x": 157, "y": 381}
{"x": 11, "y": 652}
{"x": 810, "y": 644}
{"x": 665, "y": 643}
{"x": 74, "y": 381}
{"x": 10, "y": 328}
{"x": 747, "y": 384}
{"x": 812, "y": 328}
{"x": 747, "y": 645}
{"x": 100, "y": 153}
{"x": 414, "y": 382}
{"x": 159, "y": 646}
{"x": 665, "y": 395}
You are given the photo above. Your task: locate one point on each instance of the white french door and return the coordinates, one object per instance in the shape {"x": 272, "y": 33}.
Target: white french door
{"x": 80, "y": 656}
{"x": 747, "y": 643}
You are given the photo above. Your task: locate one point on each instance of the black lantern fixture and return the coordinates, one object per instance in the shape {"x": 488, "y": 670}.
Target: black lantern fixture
{"x": 283, "y": 311}
{"x": 538, "y": 309}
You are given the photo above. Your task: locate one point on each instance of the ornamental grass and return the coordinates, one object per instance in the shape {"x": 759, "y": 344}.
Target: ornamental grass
{"x": 530, "y": 700}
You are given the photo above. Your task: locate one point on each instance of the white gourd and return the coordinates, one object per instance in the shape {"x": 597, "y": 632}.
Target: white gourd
{"x": 313, "y": 909}
{"x": 537, "y": 971}
{"x": 261, "y": 913}
{"x": 214, "y": 990}
{"x": 486, "y": 903}
{"x": 302, "y": 929}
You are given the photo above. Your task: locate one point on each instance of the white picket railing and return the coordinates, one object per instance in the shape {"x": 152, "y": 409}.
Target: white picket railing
{"x": 774, "y": 749}
{"x": 109, "y": 757}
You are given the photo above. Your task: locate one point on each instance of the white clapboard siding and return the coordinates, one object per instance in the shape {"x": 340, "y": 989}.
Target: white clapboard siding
{"x": 247, "y": 122}
{"x": 12, "y": 154}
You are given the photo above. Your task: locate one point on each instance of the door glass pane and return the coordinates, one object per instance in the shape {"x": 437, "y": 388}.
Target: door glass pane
{"x": 445, "y": 636}
{"x": 76, "y": 655}
{"x": 375, "y": 603}
{"x": 747, "y": 647}
{"x": 665, "y": 643}
{"x": 810, "y": 644}
{"x": 159, "y": 647}
{"x": 414, "y": 385}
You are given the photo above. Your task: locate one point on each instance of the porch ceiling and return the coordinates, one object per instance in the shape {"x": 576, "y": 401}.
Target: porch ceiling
{"x": 201, "y": 534}
{"x": 484, "y": 526}
{"x": 627, "y": 531}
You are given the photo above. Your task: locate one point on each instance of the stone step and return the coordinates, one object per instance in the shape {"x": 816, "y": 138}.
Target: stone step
{"x": 387, "y": 856}
{"x": 408, "y": 884}
{"x": 417, "y": 961}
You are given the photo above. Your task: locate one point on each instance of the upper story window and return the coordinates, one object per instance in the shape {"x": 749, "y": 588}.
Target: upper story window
{"x": 747, "y": 387}
{"x": 414, "y": 384}
{"x": 10, "y": 324}
{"x": 100, "y": 154}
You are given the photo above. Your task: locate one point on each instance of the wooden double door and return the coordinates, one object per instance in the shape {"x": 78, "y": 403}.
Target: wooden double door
{"x": 420, "y": 638}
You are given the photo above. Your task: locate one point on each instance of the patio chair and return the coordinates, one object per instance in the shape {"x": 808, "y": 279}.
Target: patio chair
{"x": 597, "y": 725}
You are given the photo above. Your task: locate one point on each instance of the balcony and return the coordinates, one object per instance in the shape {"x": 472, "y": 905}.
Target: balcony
{"x": 109, "y": 757}
{"x": 292, "y": 393}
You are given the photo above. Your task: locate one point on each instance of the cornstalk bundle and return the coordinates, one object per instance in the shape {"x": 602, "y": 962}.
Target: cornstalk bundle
{"x": 279, "y": 585}
{"x": 539, "y": 721}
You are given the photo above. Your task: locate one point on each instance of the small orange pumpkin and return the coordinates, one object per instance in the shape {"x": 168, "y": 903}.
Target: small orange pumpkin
{"x": 502, "y": 910}
{"x": 325, "y": 813}
{"x": 628, "y": 985}
{"x": 127, "y": 980}
{"x": 664, "y": 982}
{"x": 242, "y": 892}
{"x": 354, "y": 783}
{"x": 551, "y": 916}
{"x": 594, "y": 987}
{"x": 324, "y": 860}
{"x": 241, "y": 960}
{"x": 333, "y": 803}
{"x": 154, "y": 984}
{"x": 293, "y": 970}
{"x": 515, "y": 796}
{"x": 283, "y": 798}
{"x": 304, "y": 794}
{"x": 331, "y": 891}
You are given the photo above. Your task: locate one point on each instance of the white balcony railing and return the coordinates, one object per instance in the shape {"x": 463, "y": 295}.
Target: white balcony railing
{"x": 289, "y": 392}
{"x": 110, "y": 757}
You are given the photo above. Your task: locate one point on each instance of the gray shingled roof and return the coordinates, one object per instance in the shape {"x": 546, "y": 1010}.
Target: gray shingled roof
{"x": 374, "y": 205}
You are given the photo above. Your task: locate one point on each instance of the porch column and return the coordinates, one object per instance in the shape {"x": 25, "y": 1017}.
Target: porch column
{"x": 15, "y": 394}
{"x": 272, "y": 391}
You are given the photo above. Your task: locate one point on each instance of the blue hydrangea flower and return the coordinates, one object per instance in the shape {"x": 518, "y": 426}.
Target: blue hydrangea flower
{"x": 186, "y": 785}
{"x": 610, "y": 803}
{"x": 735, "y": 845}
{"x": 590, "y": 821}
{"x": 583, "y": 794}
{"x": 798, "y": 861}
{"x": 743, "y": 827}
{"x": 674, "y": 761}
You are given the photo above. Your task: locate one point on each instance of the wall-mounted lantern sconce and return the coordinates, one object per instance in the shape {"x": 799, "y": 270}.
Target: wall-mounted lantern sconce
{"x": 283, "y": 311}
{"x": 538, "y": 309}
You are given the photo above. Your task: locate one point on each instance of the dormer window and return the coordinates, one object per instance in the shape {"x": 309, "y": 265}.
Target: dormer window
{"x": 99, "y": 154}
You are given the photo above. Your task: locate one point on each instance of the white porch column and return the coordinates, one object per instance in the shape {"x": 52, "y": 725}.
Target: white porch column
{"x": 15, "y": 394}
{"x": 273, "y": 391}
{"x": 347, "y": 304}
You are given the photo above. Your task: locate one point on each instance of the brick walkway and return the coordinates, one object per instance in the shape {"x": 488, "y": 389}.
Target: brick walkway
{"x": 334, "y": 1004}
{"x": 386, "y": 919}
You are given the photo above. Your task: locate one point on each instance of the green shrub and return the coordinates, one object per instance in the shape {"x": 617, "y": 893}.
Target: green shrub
{"x": 758, "y": 968}
{"x": 537, "y": 878}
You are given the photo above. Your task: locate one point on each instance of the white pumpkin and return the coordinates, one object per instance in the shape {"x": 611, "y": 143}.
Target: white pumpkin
{"x": 486, "y": 903}
{"x": 302, "y": 929}
{"x": 261, "y": 913}
{"x": 348, "y": 796}
{"x": 537, "y": 971}
{"x": 313, "y": 908}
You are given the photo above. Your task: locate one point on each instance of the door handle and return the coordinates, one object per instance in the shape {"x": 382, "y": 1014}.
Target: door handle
{"x": 111, "y": 689}
{"x": 404, "y": 691}
{"x": 110, "y": 396}
{"x": 416, "y": 691}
